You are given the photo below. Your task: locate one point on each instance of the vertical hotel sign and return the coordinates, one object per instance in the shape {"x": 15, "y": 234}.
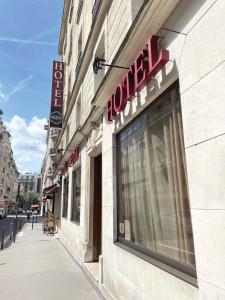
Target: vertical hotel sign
{"x": 57, "y": 94}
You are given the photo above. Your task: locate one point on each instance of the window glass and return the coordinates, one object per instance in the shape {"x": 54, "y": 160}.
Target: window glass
{"x": 65, "y": 197}
{"x": 75, "y": 214}
{"x": 153, "y": 208}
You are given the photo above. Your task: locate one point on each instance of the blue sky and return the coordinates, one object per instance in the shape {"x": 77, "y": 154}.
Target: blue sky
{"x": 29, "y": 34}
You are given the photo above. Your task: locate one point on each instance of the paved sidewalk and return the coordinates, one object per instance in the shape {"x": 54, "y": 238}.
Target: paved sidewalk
{"x": 37, "y": 267}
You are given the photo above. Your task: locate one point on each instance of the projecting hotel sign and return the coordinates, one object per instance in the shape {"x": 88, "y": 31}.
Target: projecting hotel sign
{"x": 57, "y": 94}
{"x": 147, "y": 64}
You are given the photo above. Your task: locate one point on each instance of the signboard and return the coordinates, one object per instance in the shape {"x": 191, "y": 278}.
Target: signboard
{"x": 72, "y": 160}
{"x": 147, "y": 64}
{"x": 57, "y": 94}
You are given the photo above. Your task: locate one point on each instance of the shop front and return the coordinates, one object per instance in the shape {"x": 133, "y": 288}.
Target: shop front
{"x": 147, "y": 234}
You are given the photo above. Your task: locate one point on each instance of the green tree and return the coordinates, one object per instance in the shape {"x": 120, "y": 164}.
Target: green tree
{"x": 31, "y": 198}
{"x": 20, "y": 200}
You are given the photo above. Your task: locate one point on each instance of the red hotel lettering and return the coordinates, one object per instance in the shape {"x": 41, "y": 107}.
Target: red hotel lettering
{"x": 148, "y": 63}
{"x": 156, "y": 60}
{"x": 110, "y": 109}
{"x": 129, "y": 83}
{"x": 119, "y": 98}
{"x": 73, "y": 158}
{"x": 140, "y": 70}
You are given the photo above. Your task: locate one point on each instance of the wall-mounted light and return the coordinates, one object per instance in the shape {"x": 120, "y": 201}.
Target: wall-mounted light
{"x": 100, "y": 62}
{"x": 60, "y": 150}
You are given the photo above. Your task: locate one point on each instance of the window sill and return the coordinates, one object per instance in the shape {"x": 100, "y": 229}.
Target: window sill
{"x": 74, "y": 222}
{"x": 175, "y": 272}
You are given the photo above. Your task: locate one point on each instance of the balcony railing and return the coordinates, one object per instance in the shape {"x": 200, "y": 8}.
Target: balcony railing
{"x": 54, "y": 133}
{"x": 50, "y": 172}
{"x": 95, "y": 9}
{"x": 52, "y": 152}
{"x": 79, "y": 62}
{"x": 79, "y": 10}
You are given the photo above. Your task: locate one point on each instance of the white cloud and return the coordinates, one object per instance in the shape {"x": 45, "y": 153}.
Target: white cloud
{"x": 15, "y": 89}
{"x": 28, "y": 142}
{"x": 22, "y": 41}
{"x": 39, "y": 36}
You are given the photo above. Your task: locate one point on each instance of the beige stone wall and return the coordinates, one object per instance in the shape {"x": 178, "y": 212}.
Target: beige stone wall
{"x": 8, "y": 170}
{"x": 197, "y": 59}
{"x": 118, "y": 21}
{"x": 199, "y": 65}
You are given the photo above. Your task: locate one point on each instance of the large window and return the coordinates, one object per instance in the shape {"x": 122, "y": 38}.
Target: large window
{"x": 65, "y": 197}
{"x": 153, "y": 205}
{"x": 75, "y": 211}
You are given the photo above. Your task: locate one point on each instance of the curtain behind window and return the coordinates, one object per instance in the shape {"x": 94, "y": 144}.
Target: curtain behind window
{"x": 75, "y": 215}
{"x": 154, "y": 204}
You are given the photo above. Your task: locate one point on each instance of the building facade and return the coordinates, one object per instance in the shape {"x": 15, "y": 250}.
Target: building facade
{"x": 137, "y": 179}
{"x": 30, "y": 183}
{"x": 8, "y": 170}
{"x": 50, "y": 185}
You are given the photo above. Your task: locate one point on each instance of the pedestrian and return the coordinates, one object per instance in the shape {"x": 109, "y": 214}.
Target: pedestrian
{"x": 28, "y": 215}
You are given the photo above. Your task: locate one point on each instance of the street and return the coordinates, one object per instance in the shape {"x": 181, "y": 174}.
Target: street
{"x": 6, "y": 224}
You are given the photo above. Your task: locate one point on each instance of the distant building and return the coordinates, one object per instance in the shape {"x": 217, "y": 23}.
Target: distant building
{"x": 8, "y": 170}
{"x": 29, "y": 183}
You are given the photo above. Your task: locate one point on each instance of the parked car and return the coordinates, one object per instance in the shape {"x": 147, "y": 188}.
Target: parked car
{"x": 20, "y": 210}
{"x": 35, "y": 212}
{"x": 2, "y": 213}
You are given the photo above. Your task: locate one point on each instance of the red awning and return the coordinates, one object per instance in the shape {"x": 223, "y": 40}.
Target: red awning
{"x": 50, "y": 189}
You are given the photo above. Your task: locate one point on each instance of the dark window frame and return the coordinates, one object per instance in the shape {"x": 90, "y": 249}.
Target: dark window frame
{"x": 65, "y": 197}
{"x": 72, "y": 218}
{"x": 79, "y": 10}
{"x": 176, "y": 268}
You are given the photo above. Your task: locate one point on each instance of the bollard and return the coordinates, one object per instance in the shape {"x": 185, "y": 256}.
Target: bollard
{"x": 14, "y": 231}
{"x": 36, "y": 218}
{"x": 20, "y": 225}
{"x": 3, "y": 234}
{"x": 33, "y": 222}
{"x": 10, "y": 231}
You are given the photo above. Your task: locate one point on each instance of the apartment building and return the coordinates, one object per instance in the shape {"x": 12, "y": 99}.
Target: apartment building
{"x": 50, "y": 181}
{"x": 137, "y": 180}
{"x": 8, "y": 170}
{"x": 29, "y": 183}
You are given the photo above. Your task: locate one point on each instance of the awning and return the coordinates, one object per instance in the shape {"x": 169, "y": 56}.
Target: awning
{"x": 35, "y": 206}
{"x": 50, "y": 188}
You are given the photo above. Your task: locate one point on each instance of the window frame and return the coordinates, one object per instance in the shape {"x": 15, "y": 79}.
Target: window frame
{"x": 176, "y": 268}
{"x": 65, "y": 213}
{"x": 73, "y": 195}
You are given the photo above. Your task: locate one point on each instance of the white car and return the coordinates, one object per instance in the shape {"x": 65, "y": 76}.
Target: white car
{"x": 2, "y": 212}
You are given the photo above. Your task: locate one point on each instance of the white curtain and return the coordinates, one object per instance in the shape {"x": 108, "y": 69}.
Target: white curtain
{"x": 154, "y": 196}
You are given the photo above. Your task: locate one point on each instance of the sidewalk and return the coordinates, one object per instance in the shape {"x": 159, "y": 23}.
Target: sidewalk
{"x": 37, "y": 267}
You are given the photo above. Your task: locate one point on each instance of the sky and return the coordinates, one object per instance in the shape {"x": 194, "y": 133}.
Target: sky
{"x": 29, "y": 35}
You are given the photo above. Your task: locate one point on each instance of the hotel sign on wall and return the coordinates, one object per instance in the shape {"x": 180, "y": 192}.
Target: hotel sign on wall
{"x": 74, "y": 157}
{"x": 147, "y": 64}
{"x": 57, "y": 94}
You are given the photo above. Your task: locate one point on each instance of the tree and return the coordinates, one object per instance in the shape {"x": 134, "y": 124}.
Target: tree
{"x": 31, "y": 198}
{"x": 20, "y": 200}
